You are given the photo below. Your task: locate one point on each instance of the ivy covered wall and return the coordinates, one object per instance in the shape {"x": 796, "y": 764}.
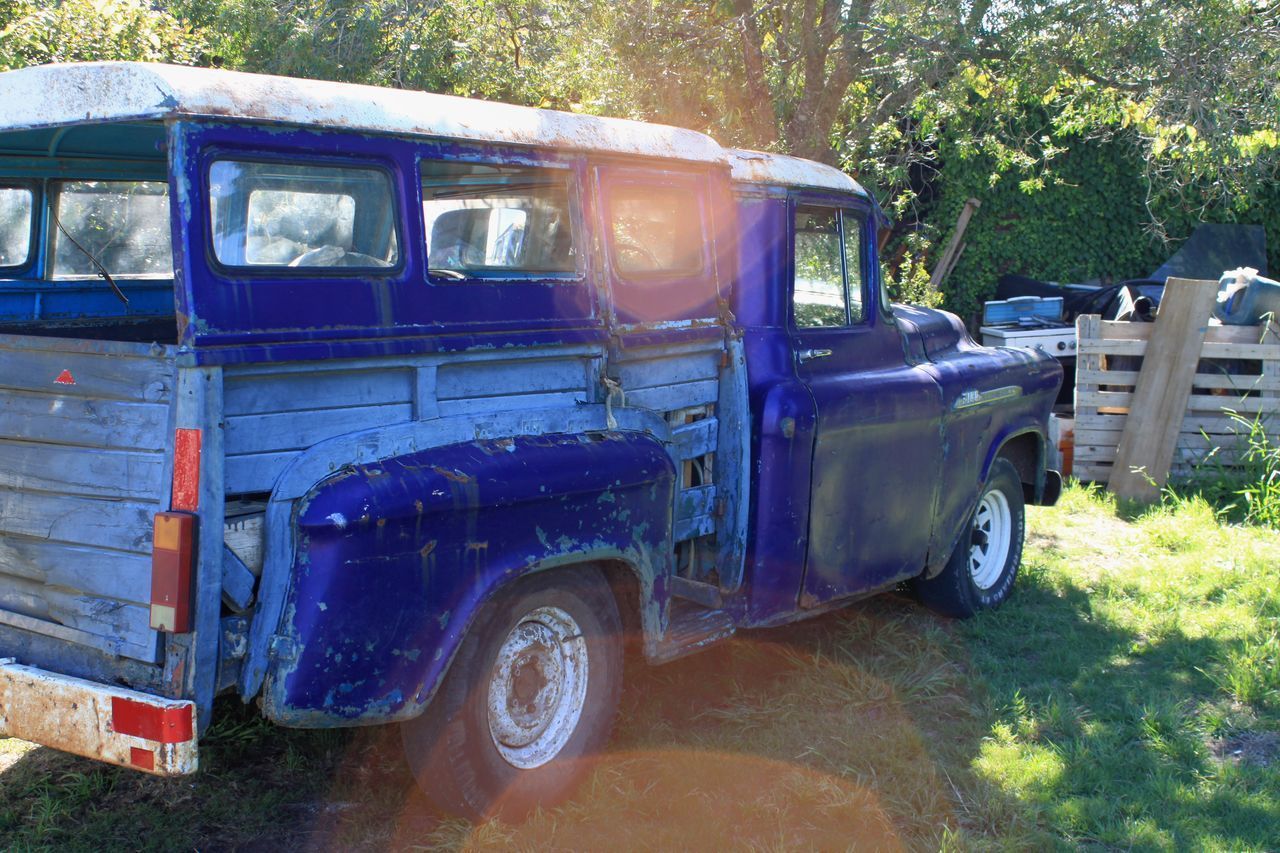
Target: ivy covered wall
{"x": 1087, "y": 222}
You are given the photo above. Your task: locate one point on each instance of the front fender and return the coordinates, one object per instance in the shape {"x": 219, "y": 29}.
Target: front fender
{"x": 393, "y": 559}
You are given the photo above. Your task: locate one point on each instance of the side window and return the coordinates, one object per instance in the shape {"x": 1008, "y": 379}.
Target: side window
{"x": 124, "y": 225}
{"x": 15, "y": 226}
{"x": 283, "y": 215}
{"x": 657, "y": 230}
{"x": 499, "y": 221}
{"x": 829, "y": 286}
{"x": 851, "y": 226}
{"x": 819, "y": 297}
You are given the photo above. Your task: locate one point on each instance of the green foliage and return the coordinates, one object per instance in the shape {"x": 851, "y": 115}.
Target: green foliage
{"x": 33, "y": 32}
{"x": 907, "y": 274}
{"x": 1085, "y": 222}
{"x": 1078, "y": 211}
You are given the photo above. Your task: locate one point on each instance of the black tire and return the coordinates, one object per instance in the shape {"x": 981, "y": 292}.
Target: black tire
{"x": 463, "y": 758}
{"x": 960, "y": 590}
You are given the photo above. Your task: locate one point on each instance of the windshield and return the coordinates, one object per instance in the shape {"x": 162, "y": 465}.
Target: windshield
{"x": 15, "y": 226}
{"x": 123, "y": 224}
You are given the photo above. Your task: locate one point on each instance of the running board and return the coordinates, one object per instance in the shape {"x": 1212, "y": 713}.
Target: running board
{"x": 708, "y": 595}
{"x": 692, "y": 629}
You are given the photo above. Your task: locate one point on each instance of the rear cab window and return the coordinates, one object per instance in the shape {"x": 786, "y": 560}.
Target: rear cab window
{"x": 122, "y": 225}
{"x": 17, "y": 205}
{"x": 484, "y": 221}
{"x": 657, "y": 231}
{"x": 278, "y": 215}
{"x": 662, "y": 257}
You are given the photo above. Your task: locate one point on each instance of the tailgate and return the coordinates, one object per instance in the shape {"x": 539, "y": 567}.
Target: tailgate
{"x": 84, "y": 427}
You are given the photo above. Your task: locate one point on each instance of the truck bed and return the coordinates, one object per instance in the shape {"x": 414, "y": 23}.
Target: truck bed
{"x": 84, "y": 429}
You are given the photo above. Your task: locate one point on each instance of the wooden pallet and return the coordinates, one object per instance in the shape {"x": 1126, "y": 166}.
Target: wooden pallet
{"x": 1239, "y": 370}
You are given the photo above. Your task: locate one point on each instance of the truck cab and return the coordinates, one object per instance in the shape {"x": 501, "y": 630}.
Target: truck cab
{"x": 386, "y": 407}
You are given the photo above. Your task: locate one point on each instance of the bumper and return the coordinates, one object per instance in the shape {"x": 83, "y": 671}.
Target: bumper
{"x": 111, "y": 724}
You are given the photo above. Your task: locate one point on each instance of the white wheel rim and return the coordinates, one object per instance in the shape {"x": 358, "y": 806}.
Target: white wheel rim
{"x": 990, "y": 539}
{"x": 537, "y": 688}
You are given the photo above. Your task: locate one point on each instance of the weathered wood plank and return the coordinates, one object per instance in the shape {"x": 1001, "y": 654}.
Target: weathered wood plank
{"x": 301, "y": 429}
{"x": 237, "y": 580}
{"x": 489, "y": 405}
{"x": 81, "y": 470}
{"x": 91, "y": 570}
{"x": 1195, "y": 402}
{"x": 95, "y": 376}
{"x": 462, "y": 380}
{"x": 695, "y": 439}
{"x": 1117, "y": 330}
{"x": 288, "y": 392}
{"x": 146, "y": 650}
{"x": 1111, "y": 438}
{"x": 1210, "y": 350}
{"x": 87, "y": 347}
{"x": 1087, "y": 330}
{"x": 657, "y": 372}
{"x": 1164, "y": 385}
{"x": 1240, "y": 382}
{"x": 82, "y": 422}
{"x": 121, "y": 525}
{"x": 255, "y": 472}
{"x": 100, "y": 615}
{"x": 671, "y": 397}
{"x": 1184, "y": 455}
{"x": 1192, "y": 422}
{"x": 699, "y": 500}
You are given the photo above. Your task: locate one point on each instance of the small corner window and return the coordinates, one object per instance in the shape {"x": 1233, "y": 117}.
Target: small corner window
{"x": 657, "y": 230}
{"x": 497, "y": 221}
{"x": 851, "y": 226}
{"x": 289, "y": 216}
{"x": 122, "y": 225}
{"x": 16, "y": 204}
{"x": 819, "y": 298}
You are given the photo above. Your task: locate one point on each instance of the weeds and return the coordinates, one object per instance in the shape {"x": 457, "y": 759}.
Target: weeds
{"x": 1246, "y": 487}
{"x": 1126, "y": 697}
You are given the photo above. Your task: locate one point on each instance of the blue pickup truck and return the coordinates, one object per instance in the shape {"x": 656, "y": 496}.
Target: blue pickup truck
{"x": 387, "y": 407}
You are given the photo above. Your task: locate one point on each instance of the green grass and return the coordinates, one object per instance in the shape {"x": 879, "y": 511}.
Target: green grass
{"x": 1127, "y": 697}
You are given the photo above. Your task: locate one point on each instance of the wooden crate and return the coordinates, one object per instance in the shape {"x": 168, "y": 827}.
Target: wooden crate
{"x": 1239, "y": 371}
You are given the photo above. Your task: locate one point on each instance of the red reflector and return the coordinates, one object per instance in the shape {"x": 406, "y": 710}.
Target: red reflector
{"x": 143, "y": 759}
{"x": 186, "y": 470}
{"x": 65, "y": 378}
{"x": 138, "y": 719}
{"x": 173, "y": 548}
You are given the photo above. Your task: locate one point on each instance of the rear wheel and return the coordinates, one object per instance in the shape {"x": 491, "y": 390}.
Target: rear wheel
{"x": 981, "y": 571}
{"x": 528, "y": 700}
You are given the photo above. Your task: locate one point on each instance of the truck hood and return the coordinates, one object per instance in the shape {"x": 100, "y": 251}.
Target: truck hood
{"x": 930, "y": 333}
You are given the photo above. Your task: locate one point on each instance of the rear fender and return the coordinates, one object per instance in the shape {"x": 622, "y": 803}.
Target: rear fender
{"x": 394, "y": 559}
{"x": 368, "y": 447}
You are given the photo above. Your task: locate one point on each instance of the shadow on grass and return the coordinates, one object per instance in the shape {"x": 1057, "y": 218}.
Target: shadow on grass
{"x": 877, "y": 726}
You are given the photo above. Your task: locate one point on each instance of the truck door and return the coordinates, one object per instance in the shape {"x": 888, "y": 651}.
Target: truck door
{"x": 878, "y": 449}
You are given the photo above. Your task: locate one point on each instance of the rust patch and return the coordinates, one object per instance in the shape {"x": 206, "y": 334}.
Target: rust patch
{"x": 453, "y": 476}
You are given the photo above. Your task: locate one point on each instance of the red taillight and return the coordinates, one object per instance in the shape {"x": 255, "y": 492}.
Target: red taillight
{"x": 173, "y": 547}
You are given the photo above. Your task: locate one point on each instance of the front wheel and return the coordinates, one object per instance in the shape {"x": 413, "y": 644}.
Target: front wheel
{"x": 981, "y": 571}
{"x": 529, "y": 698}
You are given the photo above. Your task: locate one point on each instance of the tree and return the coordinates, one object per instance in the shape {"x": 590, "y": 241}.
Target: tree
{"x": 39, "y": 31}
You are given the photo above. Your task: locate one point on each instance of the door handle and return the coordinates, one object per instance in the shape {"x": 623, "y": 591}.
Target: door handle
{"x": 810, "y": 354}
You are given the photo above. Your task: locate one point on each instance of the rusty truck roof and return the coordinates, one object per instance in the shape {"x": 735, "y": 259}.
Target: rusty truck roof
{"x": 92, "y": 92}
{"x": 100, "y": 92}
{"x": 760, "y": 167}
